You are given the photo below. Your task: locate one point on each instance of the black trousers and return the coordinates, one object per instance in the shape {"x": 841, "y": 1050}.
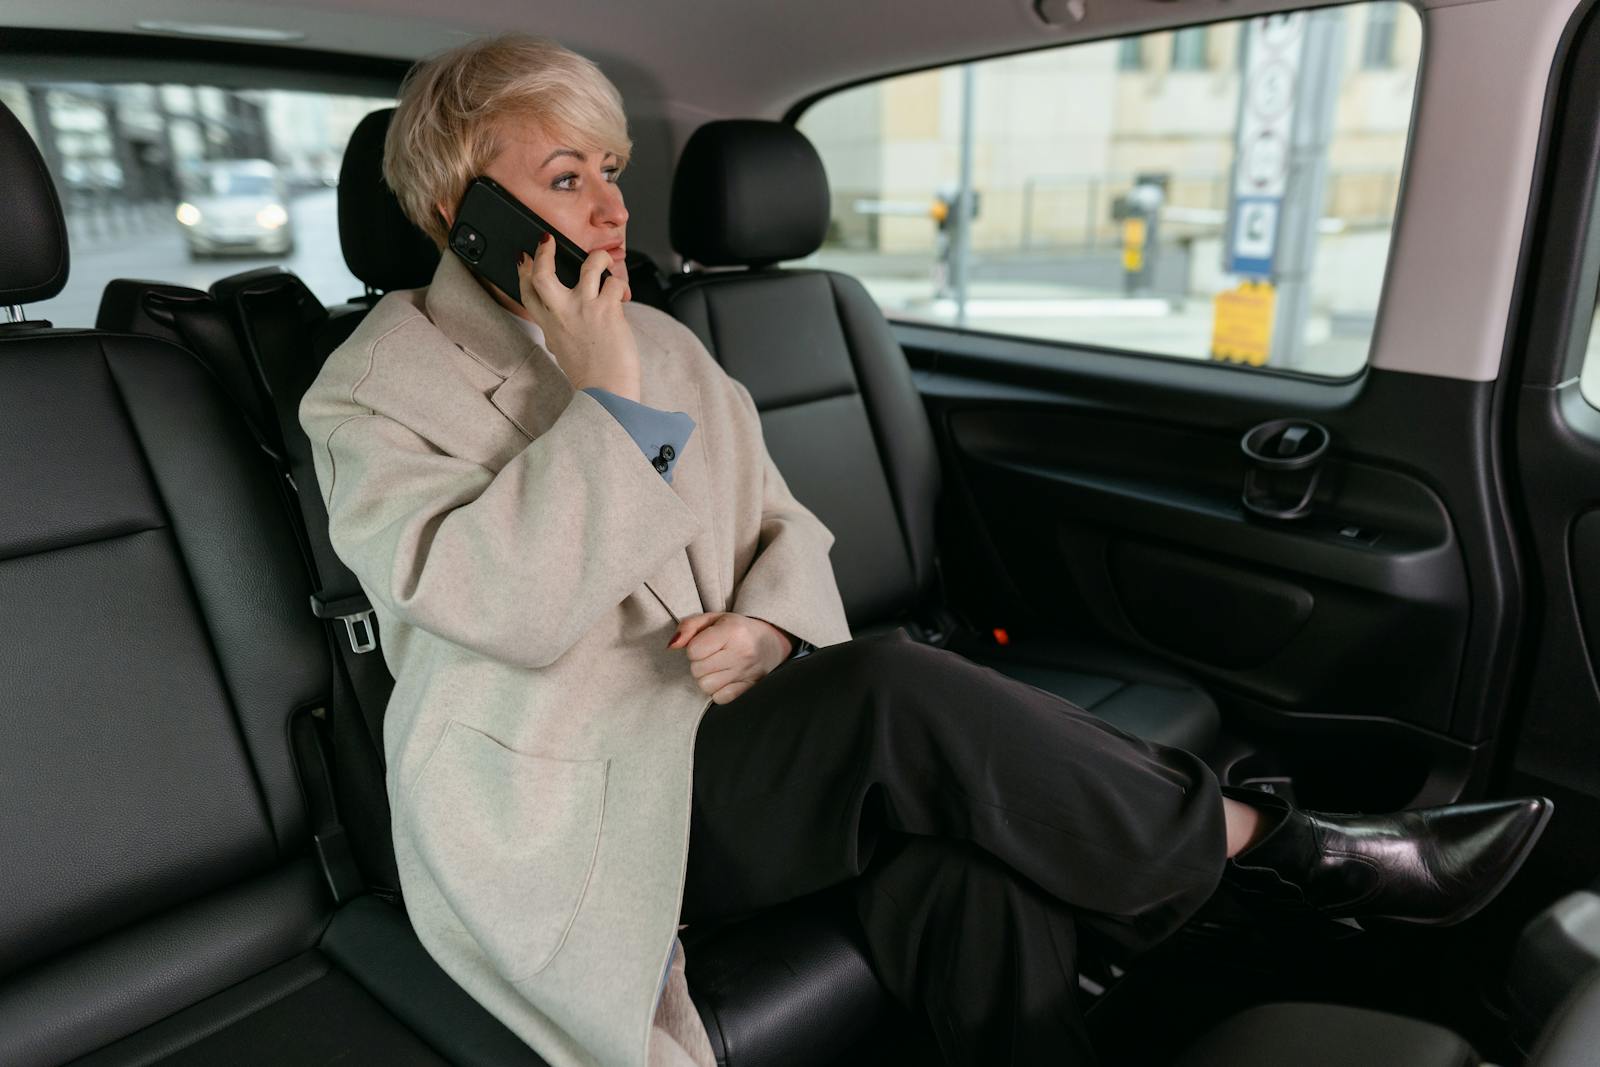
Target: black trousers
{"x": 979, "y": 819}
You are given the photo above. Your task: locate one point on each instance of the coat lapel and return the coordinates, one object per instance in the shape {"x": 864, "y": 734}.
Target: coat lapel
{"x": 534, "y": 393}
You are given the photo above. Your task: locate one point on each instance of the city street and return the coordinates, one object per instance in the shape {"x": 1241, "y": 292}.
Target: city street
{"x": 1078, "y": 298}
{"x": 155, "y": 251}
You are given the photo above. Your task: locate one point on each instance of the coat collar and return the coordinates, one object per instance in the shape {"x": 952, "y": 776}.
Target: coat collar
{"x": 535, "y": 392}
{"x": 464, "y": 311}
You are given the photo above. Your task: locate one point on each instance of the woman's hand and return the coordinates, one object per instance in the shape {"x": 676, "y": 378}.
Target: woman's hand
{"x": 729, "y": 653}
{"x": 584, "y": 328}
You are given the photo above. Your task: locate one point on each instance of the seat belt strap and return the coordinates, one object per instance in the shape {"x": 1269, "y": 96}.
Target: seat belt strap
{"x": 327, "y": 832}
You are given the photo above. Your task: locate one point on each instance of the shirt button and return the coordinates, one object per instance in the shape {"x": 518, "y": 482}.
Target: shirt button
{"x": 667, "y": 452}
{"x": 659, "y": 464}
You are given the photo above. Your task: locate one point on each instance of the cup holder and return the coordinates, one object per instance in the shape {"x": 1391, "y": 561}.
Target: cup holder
{"x": 1285, "y": 458}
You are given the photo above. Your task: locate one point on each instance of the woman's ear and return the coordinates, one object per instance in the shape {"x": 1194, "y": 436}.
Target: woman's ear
{"x": 446, "y": 213}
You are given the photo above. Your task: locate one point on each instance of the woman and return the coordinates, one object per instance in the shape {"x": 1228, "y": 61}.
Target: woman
{"x": 592, "y": 582}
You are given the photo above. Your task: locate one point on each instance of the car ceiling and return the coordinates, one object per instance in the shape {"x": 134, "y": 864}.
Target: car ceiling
{"x": 704, "y": 58}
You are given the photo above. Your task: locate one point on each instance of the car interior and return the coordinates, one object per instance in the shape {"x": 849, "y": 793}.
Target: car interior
{"x": 1364, "y": 587}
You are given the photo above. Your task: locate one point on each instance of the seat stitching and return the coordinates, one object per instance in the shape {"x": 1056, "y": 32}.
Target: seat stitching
{"x": 1121, "y": 686}
{"x": 711, "y": 324}
{"x": 84, "y": 544}
{"x": 218, "y": 1025}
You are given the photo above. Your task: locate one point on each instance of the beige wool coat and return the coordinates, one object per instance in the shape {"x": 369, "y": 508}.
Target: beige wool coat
{"x": 527, "y": 566}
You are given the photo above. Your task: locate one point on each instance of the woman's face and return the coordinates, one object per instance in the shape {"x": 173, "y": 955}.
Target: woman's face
{"x": 575, "y": 190}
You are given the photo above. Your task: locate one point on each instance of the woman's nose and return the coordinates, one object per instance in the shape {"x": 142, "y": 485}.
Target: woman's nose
{"x": 608, "y": 208}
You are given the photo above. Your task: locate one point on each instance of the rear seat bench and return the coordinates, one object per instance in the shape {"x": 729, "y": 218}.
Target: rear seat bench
{"x": 163, "y": 900}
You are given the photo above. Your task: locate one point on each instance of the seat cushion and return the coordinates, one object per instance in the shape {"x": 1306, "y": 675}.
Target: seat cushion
{"x": 367, "y": 993}
{"x": 786, "y": 987}
{"x": 1327, "y": 1035}
{"x": 1130, "y": 691}
{"x": 302, "y": 1011}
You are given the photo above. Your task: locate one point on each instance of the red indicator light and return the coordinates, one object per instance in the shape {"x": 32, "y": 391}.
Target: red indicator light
{"x": 1001, "y": 637}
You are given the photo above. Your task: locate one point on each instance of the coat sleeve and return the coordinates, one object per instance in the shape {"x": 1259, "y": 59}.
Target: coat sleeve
{"x": 790, "y": 582}
{"x": 515, "y": 565}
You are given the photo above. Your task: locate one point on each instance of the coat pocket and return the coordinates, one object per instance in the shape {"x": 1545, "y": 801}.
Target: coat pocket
{"x": 510, "y": 838}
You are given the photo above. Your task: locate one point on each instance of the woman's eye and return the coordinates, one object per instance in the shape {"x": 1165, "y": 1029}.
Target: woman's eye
{"x": 566, "y": 181}
{"x": 612, "y": 174}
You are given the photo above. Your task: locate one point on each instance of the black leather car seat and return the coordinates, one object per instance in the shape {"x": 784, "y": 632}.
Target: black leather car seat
{"x": 160, "y": 737}
{"x": 1330, "y": 1035}
{"x": 844, "y": 421}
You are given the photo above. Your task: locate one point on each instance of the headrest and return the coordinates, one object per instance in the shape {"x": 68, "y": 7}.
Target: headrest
{"x": 35, "y": 264}
{"x": 381, "y": 246}
{"x": 748, "y": 193}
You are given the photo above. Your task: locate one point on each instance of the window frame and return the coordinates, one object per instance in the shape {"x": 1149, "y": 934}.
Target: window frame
{"x": 60, "y": 55}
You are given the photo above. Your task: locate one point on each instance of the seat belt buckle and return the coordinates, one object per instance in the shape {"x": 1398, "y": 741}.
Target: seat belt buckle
{"x": 932, "y": 628}
{"x": 356, "y": 614}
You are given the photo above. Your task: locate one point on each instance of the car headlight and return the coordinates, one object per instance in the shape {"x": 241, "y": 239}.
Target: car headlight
{"x": 188, "y": 214}
{"x": 272, "y": 216}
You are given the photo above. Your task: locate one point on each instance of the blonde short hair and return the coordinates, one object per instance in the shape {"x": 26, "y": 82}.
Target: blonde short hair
{"x": 454, "y": 106}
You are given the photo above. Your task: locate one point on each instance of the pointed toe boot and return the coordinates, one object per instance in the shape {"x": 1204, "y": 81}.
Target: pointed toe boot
{"x": 1434, "y": 866}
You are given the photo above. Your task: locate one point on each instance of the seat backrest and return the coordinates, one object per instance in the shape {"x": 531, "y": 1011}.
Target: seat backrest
{"x": 275, "y": 333}
{"x": 381, "y": 246}
{"x": 839, "y": 410}
{"x": 154, "y": 649}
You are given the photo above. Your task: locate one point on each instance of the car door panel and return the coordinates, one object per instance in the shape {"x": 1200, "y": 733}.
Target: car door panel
{"x": 1102, "y": 494}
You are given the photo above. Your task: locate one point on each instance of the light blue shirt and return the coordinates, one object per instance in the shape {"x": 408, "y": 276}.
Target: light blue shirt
{"x": 660, "y": 435}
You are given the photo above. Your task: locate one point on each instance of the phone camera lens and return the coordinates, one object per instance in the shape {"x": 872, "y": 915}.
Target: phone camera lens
{"x": 468, "y": 242}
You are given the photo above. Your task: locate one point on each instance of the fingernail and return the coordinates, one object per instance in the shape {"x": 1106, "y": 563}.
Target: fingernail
{"x": 543, "y": 238}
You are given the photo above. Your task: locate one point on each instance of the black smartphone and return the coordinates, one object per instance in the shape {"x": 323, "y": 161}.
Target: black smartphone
{"x": 493, "y": 227}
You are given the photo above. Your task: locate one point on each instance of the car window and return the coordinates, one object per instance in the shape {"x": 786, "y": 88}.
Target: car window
{"x": 1224, "y": 192}
{"x": 1589, "y": 381}
{"x": 190, "y": 183}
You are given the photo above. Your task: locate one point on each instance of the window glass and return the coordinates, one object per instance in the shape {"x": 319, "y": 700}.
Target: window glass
{"x": 188, "y": 184}
{"x": 1589, "y": 383}
{"x": 1377, "y": 44}
{"x": 1189, "y": 49}
{"x": 1239, "y": 214}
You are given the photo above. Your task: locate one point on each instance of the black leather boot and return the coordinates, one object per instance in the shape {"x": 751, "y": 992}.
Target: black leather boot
{"x": 1434, "y": 866}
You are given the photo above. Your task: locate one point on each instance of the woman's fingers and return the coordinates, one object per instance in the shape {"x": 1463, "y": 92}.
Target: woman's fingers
{"x": 614, "y": 289}
{"x": 529, "y": 293}
{"x": 545, "y": 283}
{"x": 690, "y": 625}
{"x": 589, "y": 277}
{"x": 728, "y": 693}
{"x": 713, "y": 684}
{"x": 724, "y": 659}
